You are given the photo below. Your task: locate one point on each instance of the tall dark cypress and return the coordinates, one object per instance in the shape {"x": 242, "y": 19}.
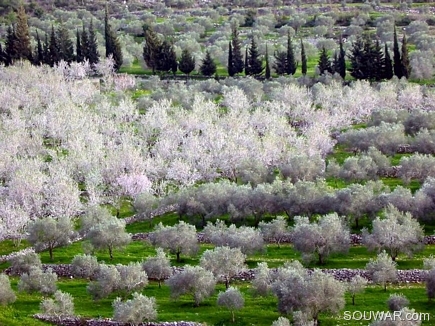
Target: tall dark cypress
{"x": 11, "y": 49}
{"x": 246, "y": 62}
{"x": 92, "y": 45}
{"x": 255, "y": 64}
{"x": 267, "y": 68}
{"x": 280, "y": 64}
{"x": 53, "y": 49}
{"x": 46, "y": 50}
{"x": 303, "y": 59}
{"x": 291, "y": 64}
{"x": 398, "y": 70}
{"x": 388, "y": 64}
{"x": 341, "y": 61}
{"x": 66, "y": 46}
{"x": 187, "y": 62}
{"x": 84, "y": 40}
{"x": 208, "y": 67}
{"x": 151, "y": 48}
{"x": 406, "y": 65}
{"x": 324, "y": 62}
{"x": 79, "y": 53}
{"x": 357, "y": 59}
{"x": 237, "y": 58}
{"x": 38, "y": 56}
{"x": 378, "y": 62}
{"x": 231, "y": 72}
{"x": 113, "y": 46}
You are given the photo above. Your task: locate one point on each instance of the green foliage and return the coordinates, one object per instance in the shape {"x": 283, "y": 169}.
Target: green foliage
{"x": 324, "y": 64}
{"x": 254, "y": 65}
{"x": 208, "y": 67}
{"x": 187, "y": 62}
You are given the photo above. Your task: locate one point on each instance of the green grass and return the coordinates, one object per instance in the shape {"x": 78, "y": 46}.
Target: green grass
{"x": 257, "y": 311}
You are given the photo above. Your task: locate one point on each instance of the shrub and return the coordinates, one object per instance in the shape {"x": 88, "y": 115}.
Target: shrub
{"x": 397, "y": 302}
{"x": 85, "y": 266}
{"x": 7, "y": 295}
{"x": 136, "y": 310}
{"x": 21, "y": 264}
{"x": 62, "y": 305}
{"x": 38, "y": 281}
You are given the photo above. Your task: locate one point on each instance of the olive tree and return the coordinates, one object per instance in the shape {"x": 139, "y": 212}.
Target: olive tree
{"x": 21, "y": 264}
{"x": 48, "y": 233}
{"x": 275, "y": 230}
{"x": 396, "y": 233}
{"x": 158, "y": 267}
{"x": 85, "y": 266}
{"x": 109, "y": 234}
{"x": 356, "y": 285}
{"x": 178, "y": 239}
{"x": 7, "y": 295}
{"x": 328, "y": 235}
{"x": 37, "y": 280}
{"x": 223, "y": 261}
{"x": 193, "y": 280}
{"x": 135, "y": 310}
{"x": 311, "y": 293}
{"x": 61, "y": 306}
{"x": 382, "y": 269}
{"x": 248, "y": 239}
{"x": 261, "y": 284}
{"x": 231, "y": 299}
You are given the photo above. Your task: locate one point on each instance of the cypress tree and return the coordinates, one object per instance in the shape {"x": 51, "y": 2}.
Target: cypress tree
{"x": 46, "y": 50}
{"x": 388, "y": 64}
{"x": 398, "y": 70}
{"x": 38, "y": 56}
{"x": 151, "y": 48}
{"x": 334, "y": 66}
{"x": 237, "y": 59}
{"x": 291, "y": 64}
{"x": 166, "y": 58}
{"x": 53, "y": 49}
{"x": 280, "y": 64}
{"x": 79, "y": 54}
{"x": 231, "y": 72}
{"x": 92, "y": 45}
{"x": 357, "y": 59}
{"x": 255, "y": 65}
{"x": 267, "y": 69}
{"x": 66, "y": 47}
{"x": 303, "y": 59}
{"x": 246, "y": 62}
{"x": 187, "y": 62}
{"x": 208, "y": 67}
{"x": 341, "y": 69}
{"x": 84, "y": 39}
{"x": 406, "y": 65}
{"x": 23, "y": 47}
{"x": 378, "y": 62}
{"x": 11, "y": 45}
{"x": 113, "y": 46}
{"x": 324, "y": 62}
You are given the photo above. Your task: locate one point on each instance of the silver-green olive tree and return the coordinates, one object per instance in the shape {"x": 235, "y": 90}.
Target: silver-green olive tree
{"x": 49, "y": 233}
{"x": 158, "y": 267}
{"x": 223, "y": 261}
{"x": 193, "y": 280}
{"x": 328, "y": 235}
{"x": 7, "y": 295}
{"x": 382, "y": 270}
{"x": 136, "y": 310}
{"x": 178, "y": 239}
{"x": 231, "y": 299}
{"x": 396, "y": 233}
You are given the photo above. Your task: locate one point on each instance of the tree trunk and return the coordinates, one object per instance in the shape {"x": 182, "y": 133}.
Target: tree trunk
{"x": 227, "y": 282}
{"x": 234, "y": 319}
{"x": 178, "y": 256}
{"x": 50, "y": 250}
{"x": 110, "y": 253}
{"x": 160, "y": 284}
{"x": 320, "y": 259}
